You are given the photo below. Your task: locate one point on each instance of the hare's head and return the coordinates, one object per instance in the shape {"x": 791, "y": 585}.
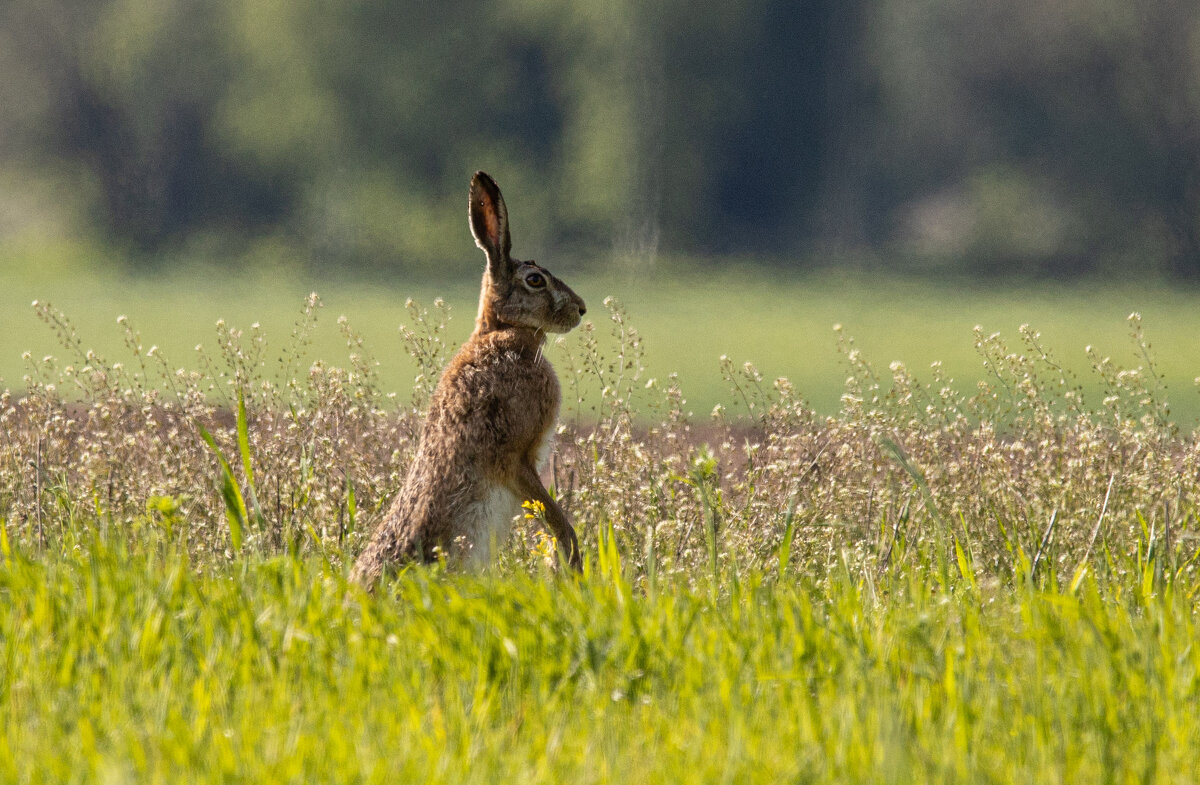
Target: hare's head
{"x": 515, "y": 293}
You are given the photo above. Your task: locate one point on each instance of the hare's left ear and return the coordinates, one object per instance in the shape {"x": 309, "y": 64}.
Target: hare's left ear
{"x": 489, "y": 222}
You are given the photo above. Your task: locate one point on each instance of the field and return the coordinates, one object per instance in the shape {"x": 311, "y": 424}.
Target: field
{"x": 784, "y": 327}
{"x": 883, "y": 578}
{"x": 128, "y": 666}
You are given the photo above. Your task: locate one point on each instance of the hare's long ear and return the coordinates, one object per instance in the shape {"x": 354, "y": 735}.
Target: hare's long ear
{"x": 489, "y": 223}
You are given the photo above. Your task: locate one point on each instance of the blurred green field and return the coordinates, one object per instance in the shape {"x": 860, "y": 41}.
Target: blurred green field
{"x": 783, "y": 326}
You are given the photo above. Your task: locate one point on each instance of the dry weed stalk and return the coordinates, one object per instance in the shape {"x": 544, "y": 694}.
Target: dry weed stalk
{"x": 904, "y": 470}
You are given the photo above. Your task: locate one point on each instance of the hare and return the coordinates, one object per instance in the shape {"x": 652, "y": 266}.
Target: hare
{"x": 491, "y": 416}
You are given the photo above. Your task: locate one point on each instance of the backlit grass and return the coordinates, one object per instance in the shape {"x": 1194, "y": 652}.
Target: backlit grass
{"x": 126, "y": 662}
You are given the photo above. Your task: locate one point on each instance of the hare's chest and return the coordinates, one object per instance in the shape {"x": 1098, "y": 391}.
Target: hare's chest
{"x": 544, "y": 446}
{"x": 547, "y": 416}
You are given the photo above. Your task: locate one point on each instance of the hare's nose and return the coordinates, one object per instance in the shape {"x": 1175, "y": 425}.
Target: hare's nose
{"x": 582, "y": 309}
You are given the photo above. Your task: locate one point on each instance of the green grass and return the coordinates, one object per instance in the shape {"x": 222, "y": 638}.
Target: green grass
{"x": 784, "y": 327}
{"x": 123, "y": 662}
{"x": 907, "y": 592}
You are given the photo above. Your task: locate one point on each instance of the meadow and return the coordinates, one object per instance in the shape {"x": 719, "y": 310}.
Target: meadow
{"x": 887, "y": 577}
{"x": 689, "y": 319}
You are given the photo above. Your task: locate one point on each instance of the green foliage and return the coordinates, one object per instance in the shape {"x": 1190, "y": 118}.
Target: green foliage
{"x": 262, "y": 132}
{"x": 124, "y": 660}
{"x": 235, "y": 505}
{"x": 920, "y": 586}
{"x": 241, "y": 515}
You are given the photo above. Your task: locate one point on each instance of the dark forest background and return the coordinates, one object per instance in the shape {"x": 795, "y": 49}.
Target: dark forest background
{"x": 994, "y": 137}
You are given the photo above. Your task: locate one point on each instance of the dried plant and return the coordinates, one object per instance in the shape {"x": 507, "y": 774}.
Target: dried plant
{"x": 1022, "y": 478}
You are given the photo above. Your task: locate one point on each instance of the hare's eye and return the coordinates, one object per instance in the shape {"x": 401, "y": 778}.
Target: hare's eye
{"x": 535, "y": 280}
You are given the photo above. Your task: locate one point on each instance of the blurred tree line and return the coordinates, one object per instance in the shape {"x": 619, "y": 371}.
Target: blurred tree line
{"x": 995, "y": 136}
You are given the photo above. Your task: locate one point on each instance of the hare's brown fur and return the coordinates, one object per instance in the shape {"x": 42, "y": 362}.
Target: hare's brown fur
{"x": 491, "y": 417}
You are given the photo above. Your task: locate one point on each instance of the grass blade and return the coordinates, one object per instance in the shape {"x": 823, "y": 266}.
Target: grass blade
{"x": 789, "y": 534}
{"x": 1041, "y": 551}
{"x": 234, "y": 512}
{"x": 243, "y": 440}
{"x": 351, "y": 507}
{"x": 5, "y": 548}
{"x": 235, "y": 504}
{"x": 901, "y": 458}
{"x": 964, "y": 564}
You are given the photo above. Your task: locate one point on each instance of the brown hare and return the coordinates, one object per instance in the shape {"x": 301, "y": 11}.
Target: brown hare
{"x": 491, "y": 417}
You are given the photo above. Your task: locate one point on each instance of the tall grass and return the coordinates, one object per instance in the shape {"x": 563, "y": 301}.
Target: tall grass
{"x": 124, "y": 662}
{"x": 1022, "y": 467}
{"x": 689, "y": 314}
{"x": 927, "y": 585}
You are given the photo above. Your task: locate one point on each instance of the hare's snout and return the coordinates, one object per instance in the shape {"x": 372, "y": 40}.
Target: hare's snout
{"x": 564, "y": 309}
{"x": 572, "y": 312}
{"x": 576, "y": 301}
{"x": 566, "y": 322}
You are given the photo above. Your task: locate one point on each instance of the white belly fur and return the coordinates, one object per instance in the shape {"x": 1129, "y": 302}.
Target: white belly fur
{"x": 543, "y": 450}
{"x": 490, "y": 523}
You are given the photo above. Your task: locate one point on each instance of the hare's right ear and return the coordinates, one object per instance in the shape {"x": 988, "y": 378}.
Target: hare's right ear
{"x": 489, "y": 223}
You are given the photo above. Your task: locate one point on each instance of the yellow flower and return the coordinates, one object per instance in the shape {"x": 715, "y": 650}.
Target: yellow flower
{"x": 545, "y": 545}
{"x": 546, "y": 548}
